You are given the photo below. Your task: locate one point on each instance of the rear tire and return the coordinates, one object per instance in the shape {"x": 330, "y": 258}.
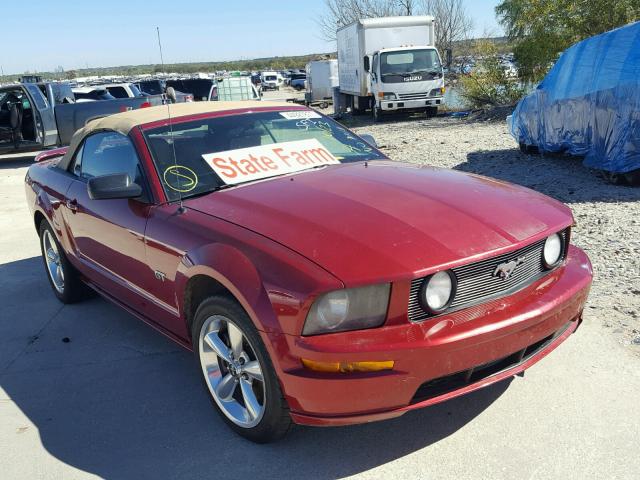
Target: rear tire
{"x": 529, "y": 149}
{"x": 630, "y": 179}
{"x": 63, "y": 277}
{"x": 252, "y": 403}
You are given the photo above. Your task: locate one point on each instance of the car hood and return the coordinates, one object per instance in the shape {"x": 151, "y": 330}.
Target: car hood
{"x": 384, "y": 221}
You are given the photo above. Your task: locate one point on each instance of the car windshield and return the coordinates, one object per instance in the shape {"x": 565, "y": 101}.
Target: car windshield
{"x": 213, "y": 153}
{"x": 409, "y": 62}
{"x": 270, "y": 78}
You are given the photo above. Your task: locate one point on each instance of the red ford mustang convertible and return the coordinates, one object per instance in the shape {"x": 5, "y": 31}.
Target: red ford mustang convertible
{"x": 316, "y": 281}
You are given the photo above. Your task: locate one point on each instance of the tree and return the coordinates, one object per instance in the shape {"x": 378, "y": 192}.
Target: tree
{"x": 544, "y": 28}
{"x": 343, "y": 12}
{"x": 452, "y": 23}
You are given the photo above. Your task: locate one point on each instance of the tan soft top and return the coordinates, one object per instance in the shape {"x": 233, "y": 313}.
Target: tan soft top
{"x": 125, "y": 121}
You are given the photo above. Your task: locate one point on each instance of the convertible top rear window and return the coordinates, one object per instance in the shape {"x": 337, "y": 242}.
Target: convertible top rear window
{"x": 207, "y": 150}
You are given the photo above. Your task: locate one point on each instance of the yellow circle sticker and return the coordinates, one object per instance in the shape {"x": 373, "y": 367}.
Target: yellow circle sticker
{"x": 180, "y": 178}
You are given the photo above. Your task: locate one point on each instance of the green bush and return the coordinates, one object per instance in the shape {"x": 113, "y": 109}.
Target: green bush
{"x": 488, "y": 84}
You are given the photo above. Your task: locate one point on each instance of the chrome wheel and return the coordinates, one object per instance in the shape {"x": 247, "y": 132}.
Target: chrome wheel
{"x": 53, "y": 261}
{"x": 232, "y": 371}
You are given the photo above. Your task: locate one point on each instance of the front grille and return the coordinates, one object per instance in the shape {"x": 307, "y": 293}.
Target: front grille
{"x": 442, "y": 385}
{"x": 476, "y": 282}
{"x": 413, "y": 96}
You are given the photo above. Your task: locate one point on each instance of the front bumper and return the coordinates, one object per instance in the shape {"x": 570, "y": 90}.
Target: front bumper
{"x": 440, "y": 358}
{"x": 419, "y": 104}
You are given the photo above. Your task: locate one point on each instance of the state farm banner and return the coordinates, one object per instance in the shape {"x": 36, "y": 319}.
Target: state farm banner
{"x": 254, "y": 163}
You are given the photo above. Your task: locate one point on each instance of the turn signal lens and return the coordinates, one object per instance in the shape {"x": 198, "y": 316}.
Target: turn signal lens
{"x": 347, "y": 367}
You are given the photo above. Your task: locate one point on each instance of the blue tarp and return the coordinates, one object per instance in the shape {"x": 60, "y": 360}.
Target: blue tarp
{"x": 589, "y": 103}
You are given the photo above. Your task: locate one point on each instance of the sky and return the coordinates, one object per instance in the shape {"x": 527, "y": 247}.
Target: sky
{"x": 76, "y": 34}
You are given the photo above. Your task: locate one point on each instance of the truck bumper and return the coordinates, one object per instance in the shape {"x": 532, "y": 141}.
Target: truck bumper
{"x": 418, "y": 104}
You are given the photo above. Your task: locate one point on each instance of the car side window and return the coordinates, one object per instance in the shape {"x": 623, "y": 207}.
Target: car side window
{"x": 76, "y": 167}
{"x": 106, "y": 153}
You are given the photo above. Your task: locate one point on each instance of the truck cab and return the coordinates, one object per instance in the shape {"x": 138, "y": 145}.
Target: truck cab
{"x": 406, "y": 78}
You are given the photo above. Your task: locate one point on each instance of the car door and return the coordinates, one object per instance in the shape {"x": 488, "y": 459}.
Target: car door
{"x": 44, "y": 115}
{"x": 108, "y": 235}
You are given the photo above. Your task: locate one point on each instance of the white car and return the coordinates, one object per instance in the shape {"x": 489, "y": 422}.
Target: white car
{"x": 272, "y": 81}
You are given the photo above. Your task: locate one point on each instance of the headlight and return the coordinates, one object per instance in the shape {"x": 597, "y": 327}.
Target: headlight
{"x": 348, "y": 309}
{"x": 387, "y": 95}
{"x": 438, "y": 291}
{"x": 437, "y": 92}
{"x": 552, "y": 252}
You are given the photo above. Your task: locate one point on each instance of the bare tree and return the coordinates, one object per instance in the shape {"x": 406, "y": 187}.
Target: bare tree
{"x": 453, "y": 23}
{"x": 343, "y": 12}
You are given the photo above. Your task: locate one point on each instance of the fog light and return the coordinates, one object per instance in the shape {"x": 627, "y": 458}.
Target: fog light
{"x": 438, "y": 291}
{"x": 552, "y": 253}
{"x": 347, "y": 367}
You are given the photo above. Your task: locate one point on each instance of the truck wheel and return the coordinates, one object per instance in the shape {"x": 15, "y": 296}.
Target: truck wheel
{"x": 63, "y": 277}
{"x": 376, "y": 113}
{"x": 237, "y": 371}
{"x": 432, "y": 112}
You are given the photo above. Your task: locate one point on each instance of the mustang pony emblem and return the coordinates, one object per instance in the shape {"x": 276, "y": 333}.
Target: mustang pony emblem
{"x": 505, "y": 270}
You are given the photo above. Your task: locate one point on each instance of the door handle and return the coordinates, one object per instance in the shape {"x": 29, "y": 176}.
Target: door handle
{"x": 72, "y": 205}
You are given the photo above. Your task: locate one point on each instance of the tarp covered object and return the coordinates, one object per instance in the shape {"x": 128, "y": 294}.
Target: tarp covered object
{"x": 589, "y": 103}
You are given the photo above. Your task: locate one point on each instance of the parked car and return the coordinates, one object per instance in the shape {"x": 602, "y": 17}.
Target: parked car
{"x": 202, "y": 89}
{"x": 159, "y": 87}
{"x": 297, "y": 81}
{"x": 316, "y": 281}
{"x": 271, "y": 81}
{"x": 588, "y": 106}
{"x": 153, "y": 87}
{"x": 124, "y": 90}
{"x": 33, "y": 120}
{"x": 91, "y": 94}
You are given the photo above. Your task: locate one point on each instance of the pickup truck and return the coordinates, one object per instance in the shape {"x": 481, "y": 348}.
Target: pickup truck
{"x": 38, "y": 116}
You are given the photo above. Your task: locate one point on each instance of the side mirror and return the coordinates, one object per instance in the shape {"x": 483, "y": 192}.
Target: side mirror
{"x": 116, "y": 185}
{"x": 171, "y": 94}
{"x": 367, "y": 63}
{"x": 367, "y": 137}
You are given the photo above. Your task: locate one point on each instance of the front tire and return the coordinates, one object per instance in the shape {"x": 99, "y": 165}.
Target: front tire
{"x": 237, "y": 371}
{"x": 63, "y": 277}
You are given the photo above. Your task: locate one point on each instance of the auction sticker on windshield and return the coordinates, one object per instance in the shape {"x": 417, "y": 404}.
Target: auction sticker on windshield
{"x": 255, "y": 163}
{"x": 300, "y": 114}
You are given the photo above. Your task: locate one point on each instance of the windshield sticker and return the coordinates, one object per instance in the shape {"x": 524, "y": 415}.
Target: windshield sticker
{"x": 254, "y": 163}
{"x": 298, "y": 114}
{"x": 180, "y": 178}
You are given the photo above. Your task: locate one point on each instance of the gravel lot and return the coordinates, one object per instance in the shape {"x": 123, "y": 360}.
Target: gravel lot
{"x": 87, "y": 391}
{"x": 607, "y": 216}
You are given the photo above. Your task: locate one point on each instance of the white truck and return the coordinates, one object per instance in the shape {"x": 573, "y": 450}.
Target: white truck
{"x": 390, "y": 64}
